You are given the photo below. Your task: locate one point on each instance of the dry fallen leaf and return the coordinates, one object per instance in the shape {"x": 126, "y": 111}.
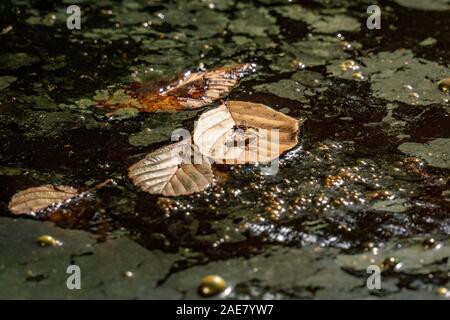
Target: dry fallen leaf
{"x": 173, "y": 170}
{"x": 191, "y": 91}
{"x": 241, "y": 132}
{"x": 32, "y": 200}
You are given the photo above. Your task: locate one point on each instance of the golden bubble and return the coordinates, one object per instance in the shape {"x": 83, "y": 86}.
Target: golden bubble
{"x": 414, "y": 95}
{"x": 344, "y": 227}
{"x": 332, "y": 181}
{"x": 380, "y": 194}
{"x": 444, "y": 85}
{"x": 47, "y": 241}
{"x": 358, "y": 75}
{"x": 442, "y": 291}
{"x": 349, "y": 65}
{"x": 212, "y": 285}
{"x": 429, "y": 243}
{"x": 346, "y": 45}
{"x": 389, "y": 263}
{"x": 368, "y": 246}
{"x": 128, "y": 274}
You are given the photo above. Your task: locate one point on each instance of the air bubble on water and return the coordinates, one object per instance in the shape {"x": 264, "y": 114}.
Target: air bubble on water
{"x": 358, "y": 75}
{"x": 346, "y": 45}
{"x": 414, "y": 95}
{"x": 108, "y": 12}
{"x": 349, "y": 65}
{"x": 444, "y": 86}
{"x": 408, "y": 86}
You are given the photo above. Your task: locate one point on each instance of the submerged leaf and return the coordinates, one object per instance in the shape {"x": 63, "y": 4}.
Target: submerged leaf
{"x": 241, "y": 132}
{"x": 176, "y": 169}
{"x": 191, "y": 91}
{"x": 32, "y": 200}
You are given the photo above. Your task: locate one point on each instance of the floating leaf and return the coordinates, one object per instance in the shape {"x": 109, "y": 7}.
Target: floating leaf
{"x": 241, "y": 132}
{"x": 32, "y": 200}
{"x": 176, "y": 169}
{"x": 198, "y": 89}
{"x": 37, "y": 199}
{"x": 191, "y": 91}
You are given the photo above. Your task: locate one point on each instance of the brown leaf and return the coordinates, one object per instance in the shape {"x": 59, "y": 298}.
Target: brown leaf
{"x": 198, "y": 89}
{"x": 191, "y": 91}
{"x": 241, "y": 132}
{"x": 32, "y": 200}
{"x": 173, "y": 170}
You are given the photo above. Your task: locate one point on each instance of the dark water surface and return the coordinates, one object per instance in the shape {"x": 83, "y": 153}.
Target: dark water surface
{"x": 368, "y": 184}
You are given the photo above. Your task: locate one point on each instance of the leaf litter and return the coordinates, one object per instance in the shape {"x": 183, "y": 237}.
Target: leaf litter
{"x": 236, "y": 132}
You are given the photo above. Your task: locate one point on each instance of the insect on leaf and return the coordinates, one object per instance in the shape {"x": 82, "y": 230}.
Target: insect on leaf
{"x": 35, "y": 199}
{"x": 241, "y": 132}
{"x": 176, "y": 169}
